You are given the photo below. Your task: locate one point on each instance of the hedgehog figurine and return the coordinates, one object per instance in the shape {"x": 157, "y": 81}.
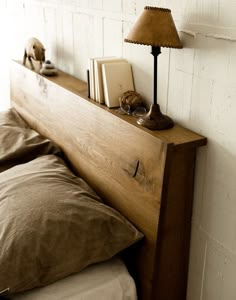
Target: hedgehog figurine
{"x": 35, "y": 50}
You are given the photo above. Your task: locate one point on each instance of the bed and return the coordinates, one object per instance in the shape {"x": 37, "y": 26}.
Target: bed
{"x": 146, "y": 177}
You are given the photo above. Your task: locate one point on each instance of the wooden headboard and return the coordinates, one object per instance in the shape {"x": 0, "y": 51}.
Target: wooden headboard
{"x": 147, "y": 175}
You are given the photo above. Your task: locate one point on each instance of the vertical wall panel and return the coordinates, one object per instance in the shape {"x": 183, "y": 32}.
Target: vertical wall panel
{"x": 179, "y": 96}
{"x": 97, "y": 37}
{"x": 50, "y": 33}
{"x": 83, "y": 3}
{"x": 200, "y": 110}
{"x": 208, "y": 52}
{"x": 83, "y": 43}
{"x": 59, "y": 38}
{"x": 200, "y": 179}
{"x": 180, "y": 84}
{"x": 96, "y": 4}
{"x": 68, "y": 31}
{"x": 142, "y": 64}
{"x": 112, "y": 6}
{"x": 219, "y": 207}
{"x": 162, "y": 78}
{"x": 226, "y": 15}
{"x": 213, "y": 276}
{"x": 140, "y": 4}
{"x": 3, "y": 4}
{"x": 34, "y": 28}
{"x": 16, "y": 28}
{"x": 65, "y": 41}
{"x": 228, "y": 284}
{"x": 197, "y": 261}
{"x": 112, "y": 37}
{"x": 129, "y": 7}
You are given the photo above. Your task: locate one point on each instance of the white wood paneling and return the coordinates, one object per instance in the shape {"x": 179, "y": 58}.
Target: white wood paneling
{"x": 84, "y": 37}
{"x": 65, "y": 41}
{"x": 219, "y": 207}
{"x": 112, "y": 37}
{"x": 96, "y": 4}
{"x": 228, "y": 284}
{"x": 197, "y": 261}
{"x": 68, "y": 42}
{"x": 50, "y": 27}
{"x": 200, "y": 179}
{"x": 129, "y": 7}
{"x": 196, "y": 87}
{"x": 140, "y": 4}
{"x": 3, "y": 4}
{"x": 59, "y": 38}
{"x": 32, "y": 27}
{"x": 113, "y": 6}
{"x": 213, "y": 275}
{"x": 227, "y": 12}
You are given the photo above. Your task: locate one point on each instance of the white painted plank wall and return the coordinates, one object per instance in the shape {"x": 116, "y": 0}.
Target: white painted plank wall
{"x": 196, "y": 87}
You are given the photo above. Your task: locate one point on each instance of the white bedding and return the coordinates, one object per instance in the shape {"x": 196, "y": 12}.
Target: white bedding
{"x": 109, "y": 280}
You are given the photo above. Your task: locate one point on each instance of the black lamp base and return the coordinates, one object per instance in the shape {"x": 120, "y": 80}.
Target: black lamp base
{"x": 155, "y": 120}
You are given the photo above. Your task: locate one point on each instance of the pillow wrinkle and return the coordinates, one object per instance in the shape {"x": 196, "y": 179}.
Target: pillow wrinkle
{"x": 18, "y": 136}
{"x": 53, "y": 225}
{"x": 11, "y": 118}
{"x": 19, "y": 143}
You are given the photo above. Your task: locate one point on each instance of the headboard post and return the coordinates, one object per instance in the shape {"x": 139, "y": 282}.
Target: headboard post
{"x": 147, "y": 175}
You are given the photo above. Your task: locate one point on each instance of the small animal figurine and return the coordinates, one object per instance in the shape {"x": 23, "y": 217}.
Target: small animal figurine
{"x": 35, "y": 50}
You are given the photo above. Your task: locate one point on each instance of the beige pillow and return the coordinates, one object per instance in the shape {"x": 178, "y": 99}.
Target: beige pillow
{"x": 19, "y": 143}
{"x": 12, "y": 118}
{"x": 53, "y": 224}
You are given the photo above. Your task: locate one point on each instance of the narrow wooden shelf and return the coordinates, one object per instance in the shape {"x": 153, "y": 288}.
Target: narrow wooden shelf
{"x": 177, "y": 135}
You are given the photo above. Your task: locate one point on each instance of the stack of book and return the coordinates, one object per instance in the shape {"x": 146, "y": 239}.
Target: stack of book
{"x": 109, "y": 78}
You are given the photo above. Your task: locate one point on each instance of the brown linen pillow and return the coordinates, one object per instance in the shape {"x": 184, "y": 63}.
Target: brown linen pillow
{"x": 19, "y": 143}
{"x": 53, "y": 225}
{"x": 12, "y": 118}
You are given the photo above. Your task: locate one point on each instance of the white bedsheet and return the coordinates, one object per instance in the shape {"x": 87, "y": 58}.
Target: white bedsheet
{"x": 109, "y": 280}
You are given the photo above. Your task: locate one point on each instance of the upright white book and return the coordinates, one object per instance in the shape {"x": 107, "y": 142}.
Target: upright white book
{"x": 91, "y": 77}
{"x": 99, "y": 92}
{"x": 117, "y": 79}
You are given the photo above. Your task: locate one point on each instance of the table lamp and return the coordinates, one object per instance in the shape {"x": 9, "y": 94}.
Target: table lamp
{"x": 155, "y": 27}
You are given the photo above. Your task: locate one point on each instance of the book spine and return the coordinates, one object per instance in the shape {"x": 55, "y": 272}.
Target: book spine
{"x": 91, "y": 79}
{"x": 106, "y": 99}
